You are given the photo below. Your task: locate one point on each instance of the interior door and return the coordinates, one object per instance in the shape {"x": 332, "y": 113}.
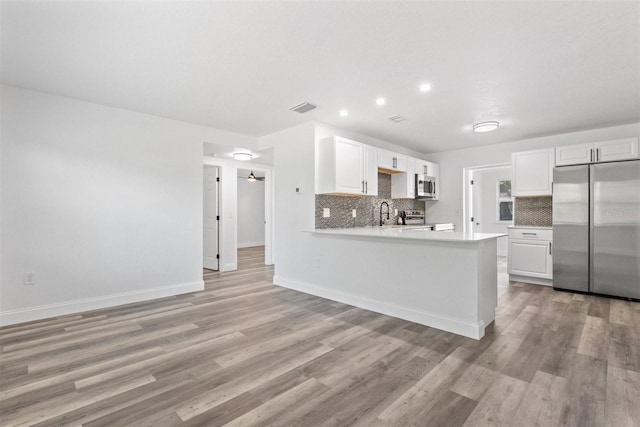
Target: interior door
{"x": 210, "y": 218}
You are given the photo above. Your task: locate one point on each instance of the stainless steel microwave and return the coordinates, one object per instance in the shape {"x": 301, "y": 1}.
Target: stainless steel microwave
{"x": 425, "y": 187}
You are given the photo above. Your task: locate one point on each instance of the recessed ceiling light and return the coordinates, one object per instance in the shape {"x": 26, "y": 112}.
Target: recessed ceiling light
{"x": 381, "y": 101}
{"x": 242, "y": 156}
{"x": 344, "y": 113}
{"x": 425, "y": 87}
{"x": 485, "y": 126}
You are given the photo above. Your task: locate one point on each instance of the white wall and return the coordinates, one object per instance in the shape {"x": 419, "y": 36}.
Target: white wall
{"x": 103, "y": 204}
{"x": 293, "y": 212}
{"x": 250, "y": 213}
{"x": 449, "y": 207}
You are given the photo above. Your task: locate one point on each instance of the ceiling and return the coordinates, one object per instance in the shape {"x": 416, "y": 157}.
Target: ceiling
{"x": 537, "y": 67}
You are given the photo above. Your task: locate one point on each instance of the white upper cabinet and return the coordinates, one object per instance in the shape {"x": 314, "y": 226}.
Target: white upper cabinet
{"x": 424, "y": 167}
{"x": 370, "y": 171}
{"x": 391, "y": 161}
{"x": 345, "y": 167}
{"x": 607, "y": 151}
{"x": 574, "y": 154}
{"x": 532, "y": 172}
{"x": 619, "y": 149}
{"x": 403, "y": 185}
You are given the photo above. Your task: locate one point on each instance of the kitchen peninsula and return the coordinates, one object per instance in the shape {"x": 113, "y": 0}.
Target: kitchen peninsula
{"x": 447, "y": 280}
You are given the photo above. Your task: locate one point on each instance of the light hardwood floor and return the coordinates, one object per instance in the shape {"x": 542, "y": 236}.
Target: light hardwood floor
{"x": 245, "y": 352}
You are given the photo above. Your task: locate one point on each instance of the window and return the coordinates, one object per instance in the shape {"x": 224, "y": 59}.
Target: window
{"x": 504, "y": 211}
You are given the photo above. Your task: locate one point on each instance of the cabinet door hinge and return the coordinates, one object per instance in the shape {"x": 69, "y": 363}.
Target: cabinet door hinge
{"x": 471, "y": 182}
{"x": 217, "y": 256}
{"x": 218, "y": 179}
{"x": 471, "y": 219}
{"x": 217, "y": 217}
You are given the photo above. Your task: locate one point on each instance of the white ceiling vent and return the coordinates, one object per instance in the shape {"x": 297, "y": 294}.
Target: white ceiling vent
{"x": 396, "y": 118}
{"x": 302, "y": 108}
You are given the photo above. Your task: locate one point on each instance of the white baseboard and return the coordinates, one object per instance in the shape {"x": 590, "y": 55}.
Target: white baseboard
{"x": 532, "y": 280}
{"x": 28, "y": 314}
{"x": 456, "y": 326}
{"x": 250, "y": 244}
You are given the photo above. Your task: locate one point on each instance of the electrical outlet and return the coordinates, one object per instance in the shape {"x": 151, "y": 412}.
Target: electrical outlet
{"x": 395, "y": 212}
{"x": 29, "y": 278}
{"x": 326, "y": 212}
{"x": 353, "y": 213}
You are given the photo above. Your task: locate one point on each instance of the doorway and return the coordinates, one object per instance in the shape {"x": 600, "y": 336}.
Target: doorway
{"x": 211, "y": 218}
{"x": 251, "y": 191}
{"x": 488, "y": 201}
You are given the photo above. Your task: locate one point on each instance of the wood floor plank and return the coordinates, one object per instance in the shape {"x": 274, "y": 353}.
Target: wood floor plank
{"x": 246, "y": 352}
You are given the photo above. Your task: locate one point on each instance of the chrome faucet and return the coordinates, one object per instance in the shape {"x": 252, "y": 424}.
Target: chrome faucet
{"x": 381, "y": 220}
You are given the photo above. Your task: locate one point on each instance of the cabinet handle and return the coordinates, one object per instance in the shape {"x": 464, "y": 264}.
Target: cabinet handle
{"x": 363, "y": 187}
{"x": 366, "y": 187}
{"x": 530, "y": 234}
{"x": 549, "y": 248}
{"x": 591, "y": 151}
{"x": 597, "y": 154}
{"x": 395, "y": 162}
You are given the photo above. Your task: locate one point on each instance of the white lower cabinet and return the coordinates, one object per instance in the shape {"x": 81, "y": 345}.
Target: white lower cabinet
{"x": 530, "y": 254}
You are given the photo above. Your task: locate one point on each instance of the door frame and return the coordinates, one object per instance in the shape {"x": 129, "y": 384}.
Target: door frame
{"x": 217, "y": 185}
{"x": 228, "y": 209}
{"x": 467, "y": 191}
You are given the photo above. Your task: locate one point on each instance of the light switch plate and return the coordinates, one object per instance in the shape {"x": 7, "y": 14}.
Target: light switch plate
{"x": 326, "y": 212}
{"x": 29, "y": 278}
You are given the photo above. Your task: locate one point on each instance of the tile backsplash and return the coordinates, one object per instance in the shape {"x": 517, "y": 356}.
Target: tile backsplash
{"x": 367, "y": 208}
{"x": 533, "y": 211}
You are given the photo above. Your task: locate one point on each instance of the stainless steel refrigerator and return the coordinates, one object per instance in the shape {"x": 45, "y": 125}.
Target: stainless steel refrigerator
{"x": 596, "y": 228}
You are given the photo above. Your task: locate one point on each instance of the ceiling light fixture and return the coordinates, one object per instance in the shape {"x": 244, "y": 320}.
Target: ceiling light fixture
{"x": 344, "y": 113}
{"x": 425, "y": 87}
{"x": 381, "y": 101}
{"x": 251, "y": 177}
{"x": 485, "y": 126}
{"x": 242, "y": 156}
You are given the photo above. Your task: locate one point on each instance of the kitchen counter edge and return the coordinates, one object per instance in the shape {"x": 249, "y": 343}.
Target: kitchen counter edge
{"x": 408, "y": 234}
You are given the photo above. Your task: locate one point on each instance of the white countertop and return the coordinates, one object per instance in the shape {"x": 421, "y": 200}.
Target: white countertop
{"x": 409, "y": 232}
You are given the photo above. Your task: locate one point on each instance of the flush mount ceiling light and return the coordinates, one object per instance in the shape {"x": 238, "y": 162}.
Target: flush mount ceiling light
{"x": 344, "y": 113}
{"x": 425, "y": 87}
{"x": 381, "y": 101}
{"x": 242, "y": 156}
{"x": 485, "y": 126}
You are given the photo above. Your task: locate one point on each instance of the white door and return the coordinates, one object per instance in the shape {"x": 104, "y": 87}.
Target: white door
{"x": 210, "y": 218}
